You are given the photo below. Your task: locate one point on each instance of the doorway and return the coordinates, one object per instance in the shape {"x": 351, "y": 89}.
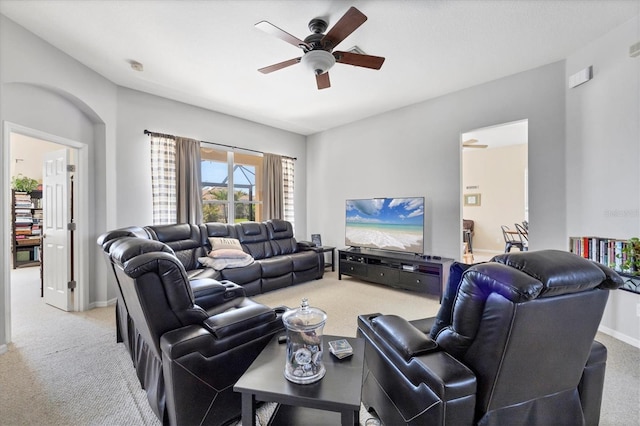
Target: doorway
{"x": 18, "y": 160}
{"x": 494, "y": 184}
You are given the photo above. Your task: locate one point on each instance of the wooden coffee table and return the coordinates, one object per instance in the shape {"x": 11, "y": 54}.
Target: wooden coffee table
{"x": 335, "y": 399}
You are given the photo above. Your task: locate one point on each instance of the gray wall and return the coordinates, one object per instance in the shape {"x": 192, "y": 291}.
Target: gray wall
{"x": 603, "y": 156}
{"x": 415, "y": 151}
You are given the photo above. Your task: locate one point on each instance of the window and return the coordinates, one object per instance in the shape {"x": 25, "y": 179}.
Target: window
{"x": 231, "y": 186}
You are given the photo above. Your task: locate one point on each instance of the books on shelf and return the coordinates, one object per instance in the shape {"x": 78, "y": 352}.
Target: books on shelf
{"x": 26, "y": 226}
{"x": 27, "y": 240}
{"x": 607, "y": 251}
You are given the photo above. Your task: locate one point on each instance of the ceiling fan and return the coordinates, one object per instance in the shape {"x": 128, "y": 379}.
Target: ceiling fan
{"x": 471, "y": 143}
{"x": 318, "y": 47}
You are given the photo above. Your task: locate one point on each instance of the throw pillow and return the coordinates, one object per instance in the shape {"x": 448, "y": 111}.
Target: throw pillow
{"x": 237, "y": 259}
{"x": 228, "y": 254}
{"x": 218, "y": 243}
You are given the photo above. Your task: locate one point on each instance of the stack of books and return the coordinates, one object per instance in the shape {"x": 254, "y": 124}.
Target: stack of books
{"x": 340, "y": 348}
{"x": 23, "y": 200}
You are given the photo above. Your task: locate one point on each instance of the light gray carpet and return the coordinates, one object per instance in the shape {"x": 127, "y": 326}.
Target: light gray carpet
{"x": 66, "y": 369}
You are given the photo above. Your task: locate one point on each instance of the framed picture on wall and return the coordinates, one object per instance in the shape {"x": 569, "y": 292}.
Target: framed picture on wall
{"x": 471, "y": 199}
{"x": 315, "y": 239}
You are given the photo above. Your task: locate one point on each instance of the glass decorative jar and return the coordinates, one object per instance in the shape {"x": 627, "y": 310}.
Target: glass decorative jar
{"x": 304, "y": 344}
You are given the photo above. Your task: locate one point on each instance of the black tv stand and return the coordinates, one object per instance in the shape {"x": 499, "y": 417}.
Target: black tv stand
{"x": 425, "y": 274}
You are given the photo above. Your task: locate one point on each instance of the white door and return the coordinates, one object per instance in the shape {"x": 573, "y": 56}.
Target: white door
{"x": 56, "y": 237}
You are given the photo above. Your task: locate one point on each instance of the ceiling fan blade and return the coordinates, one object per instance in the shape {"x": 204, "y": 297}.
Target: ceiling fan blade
{"x": 279, "y": 66}
{"x": 359, "y": 60}
{"x": 349, "y": 22}
{"x": 470, "y": 143}
{"x": 271, "y": 29}
{"x": 322, "y": 80}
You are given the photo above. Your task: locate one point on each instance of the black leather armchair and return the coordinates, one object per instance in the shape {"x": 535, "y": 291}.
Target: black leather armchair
{"x": 188, "y": 359}
{"x": 513, "y": 343}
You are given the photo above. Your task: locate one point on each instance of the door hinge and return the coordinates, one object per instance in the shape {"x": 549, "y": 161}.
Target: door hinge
{"x": 71, "y": 167}
{"x": 71, "y": 285}
{"x": 71, "y": 226}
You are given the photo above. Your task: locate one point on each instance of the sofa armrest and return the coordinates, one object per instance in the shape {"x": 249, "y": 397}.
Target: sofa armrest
{"x": 307, "y": 246}
{"x": 211, "y": 294}
{"x": 436, "y": 387}
{"x": 403, "y": 336}
{"x": 235, "y": 321}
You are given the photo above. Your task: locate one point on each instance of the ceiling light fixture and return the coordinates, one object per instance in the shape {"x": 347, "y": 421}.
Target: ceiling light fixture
{"x": 318, "y": 61}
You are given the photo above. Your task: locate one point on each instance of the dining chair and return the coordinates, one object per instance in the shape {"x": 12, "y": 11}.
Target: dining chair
{"x": 511, "y": 239}
{"x": 523, "y": 234}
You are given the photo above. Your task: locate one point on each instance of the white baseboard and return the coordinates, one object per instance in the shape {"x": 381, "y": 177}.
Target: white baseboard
{"x": 103, "y": 304}
{"x": 622, "y": 337}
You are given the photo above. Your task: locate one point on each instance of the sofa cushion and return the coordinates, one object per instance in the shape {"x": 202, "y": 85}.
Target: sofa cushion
{"x": 276, "y": 266}
{"x": 281, "y": 237}
{"x": 443, "y": 319}
{"x": 216, "y": 229}
{"x": 200, "y": 273}
{"x": 254, "y": 239}
{"x": 183, "y": 238}
{"x": 247, "y": 274}
{"x": 304, "y": 260}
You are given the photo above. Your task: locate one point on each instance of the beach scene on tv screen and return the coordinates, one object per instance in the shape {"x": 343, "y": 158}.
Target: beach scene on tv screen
{"x": 386, "y": 223}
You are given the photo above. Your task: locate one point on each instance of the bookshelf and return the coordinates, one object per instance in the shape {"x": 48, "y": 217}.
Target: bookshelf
{"x": 609, "y": 252}
{"x": 26, "y": 213}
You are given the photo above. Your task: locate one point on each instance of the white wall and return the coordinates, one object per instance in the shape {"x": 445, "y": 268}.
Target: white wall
{"x": 27, "y": 156}
{"x": 603, "y": 156}
{"x": 415, "y": 151}
{"x": 138, "y": 111}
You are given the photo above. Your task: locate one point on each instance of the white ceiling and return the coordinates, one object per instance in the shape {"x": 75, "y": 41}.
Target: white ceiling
{"x": 514, "y": 133}
{"x": 207, "y": 53}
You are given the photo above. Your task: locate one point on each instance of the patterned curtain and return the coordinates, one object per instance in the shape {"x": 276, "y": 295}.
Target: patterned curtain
{"x": 287, "y": 180}
{"x": 188, "y": 181}
{"x": 163, "y": 179}
{"x": 272, "y": 206}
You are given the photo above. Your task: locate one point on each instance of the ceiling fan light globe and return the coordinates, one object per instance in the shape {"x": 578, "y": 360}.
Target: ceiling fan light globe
{"x": 318, "y": 61}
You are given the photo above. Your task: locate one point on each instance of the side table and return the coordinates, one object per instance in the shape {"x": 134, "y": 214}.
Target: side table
{"x": 332, "y": 250}
{"x": 339, "y": 391}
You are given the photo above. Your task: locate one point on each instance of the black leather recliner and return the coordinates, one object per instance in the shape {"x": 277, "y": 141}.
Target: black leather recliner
{"x": 188, "y": 359}
{"x": 204, "y": 290}
{"x": 513, "y": 343}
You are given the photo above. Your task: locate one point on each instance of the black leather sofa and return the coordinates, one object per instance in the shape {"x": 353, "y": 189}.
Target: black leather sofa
{"x": 187, "y": 358}
{"x": 513, "y": 344}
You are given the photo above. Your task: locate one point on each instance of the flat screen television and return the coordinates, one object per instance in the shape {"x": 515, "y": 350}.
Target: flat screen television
{"x": 386, "y": 223}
